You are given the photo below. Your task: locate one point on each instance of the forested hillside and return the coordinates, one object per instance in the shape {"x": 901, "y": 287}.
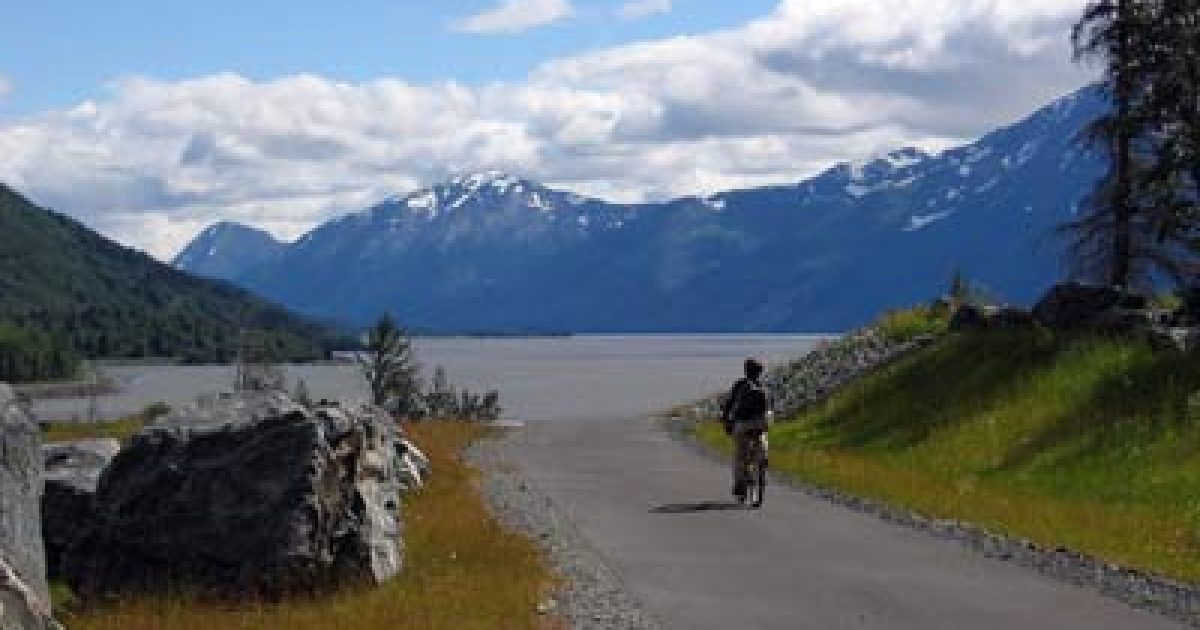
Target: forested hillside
{"x": 65, "y": 287}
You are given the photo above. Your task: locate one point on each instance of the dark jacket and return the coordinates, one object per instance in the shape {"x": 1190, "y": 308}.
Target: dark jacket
{"x": 727, "y": 408}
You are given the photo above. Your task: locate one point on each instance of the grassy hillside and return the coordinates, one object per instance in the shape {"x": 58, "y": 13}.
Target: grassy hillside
{"x": 103, "y": 300}
{"x": 1087, "y": 443}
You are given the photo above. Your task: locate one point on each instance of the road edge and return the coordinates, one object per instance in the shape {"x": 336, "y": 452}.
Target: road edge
{"x": 593, "y": 594}
{"x": 1139, "y": 590}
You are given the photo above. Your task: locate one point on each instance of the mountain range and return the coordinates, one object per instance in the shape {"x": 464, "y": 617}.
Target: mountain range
{"x": 494, "y": 252}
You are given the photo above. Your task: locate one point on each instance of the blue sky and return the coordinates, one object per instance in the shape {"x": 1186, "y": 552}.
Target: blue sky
{"x": 151, "y": 120}
{"x": 58, "y": 52}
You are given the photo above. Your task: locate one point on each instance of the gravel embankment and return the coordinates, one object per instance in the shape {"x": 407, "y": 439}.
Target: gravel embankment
{"x": 592, "y": 594}
{"x": 829, "y": 367}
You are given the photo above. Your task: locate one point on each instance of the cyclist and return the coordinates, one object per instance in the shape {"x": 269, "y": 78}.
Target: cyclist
{"x": 745, "y": 414}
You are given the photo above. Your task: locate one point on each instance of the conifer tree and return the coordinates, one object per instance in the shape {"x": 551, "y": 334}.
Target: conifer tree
{"x": 1108, "y": 242}
{"x": 390, "y": 368}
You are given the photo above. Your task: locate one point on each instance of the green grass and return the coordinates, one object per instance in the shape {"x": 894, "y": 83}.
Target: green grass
{"x": 463, "y": 570}
{"x": 121, "y": 429}
{"x": 905, "y": 324}
{"x": 1087, "y": 443}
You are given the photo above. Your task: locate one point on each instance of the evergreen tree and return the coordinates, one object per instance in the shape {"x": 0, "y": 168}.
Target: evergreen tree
{"x": 1143, "y": 215}
{"x": 1109, "y": 241}
{"x": 390, "y": 368}
{"x": 1172, "y": 107}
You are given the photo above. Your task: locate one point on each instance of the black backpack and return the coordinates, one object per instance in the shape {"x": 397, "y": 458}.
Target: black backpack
{"x": 750, "y": 403}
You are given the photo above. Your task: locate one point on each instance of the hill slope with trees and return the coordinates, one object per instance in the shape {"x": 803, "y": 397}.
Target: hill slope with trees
{"x": 69, "y": 289}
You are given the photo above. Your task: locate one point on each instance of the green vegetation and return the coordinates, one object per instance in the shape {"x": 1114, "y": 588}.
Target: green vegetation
{"x": 1088, "y": 443}
{"x": 120, "y": 429}
{"x": 61, "y": 281}
{"x": 30, "y": 355}
{"x": 463, "y": 569}
{"x": 906, "y": 324}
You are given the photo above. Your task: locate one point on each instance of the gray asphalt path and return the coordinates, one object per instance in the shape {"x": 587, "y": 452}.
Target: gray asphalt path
{"x": 657, "y": 512}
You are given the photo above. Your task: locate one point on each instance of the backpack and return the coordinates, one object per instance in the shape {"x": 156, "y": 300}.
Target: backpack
{"x": 750, "y": 405}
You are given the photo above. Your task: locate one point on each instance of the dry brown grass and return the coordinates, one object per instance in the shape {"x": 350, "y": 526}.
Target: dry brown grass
{"x": 463, "y": 570}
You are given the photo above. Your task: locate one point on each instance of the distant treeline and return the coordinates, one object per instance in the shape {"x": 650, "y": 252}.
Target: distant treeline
{"x": 29, "y": 355}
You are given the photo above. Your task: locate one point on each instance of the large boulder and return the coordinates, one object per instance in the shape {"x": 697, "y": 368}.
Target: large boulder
{"x": 249, "y": 494}
{"x": 24, "y": 595}
{"x": 72, "y": 474}
{"x": 1074, "y": 306}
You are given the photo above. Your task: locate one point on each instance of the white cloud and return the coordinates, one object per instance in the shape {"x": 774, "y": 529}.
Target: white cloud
{"x": 515, "y": 16}
{"x": 769, "y": 102}
{"x": 5, "y": 87}
{"x": 643, "y": 8}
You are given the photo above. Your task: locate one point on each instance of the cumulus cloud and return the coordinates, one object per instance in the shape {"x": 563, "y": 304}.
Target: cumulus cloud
{"x": 515, "y": 16}
{"x": 643, "y": 8}
{"x": 771, "y": 101}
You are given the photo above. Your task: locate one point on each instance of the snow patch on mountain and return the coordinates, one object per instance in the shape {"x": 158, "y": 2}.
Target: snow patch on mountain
{"x": 922, "y": 221}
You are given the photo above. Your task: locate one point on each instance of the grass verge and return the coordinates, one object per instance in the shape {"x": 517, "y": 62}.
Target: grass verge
{"x": 1085, "y": 443}
{"x": 463, "y": 569}
{"x": 120, "y": 429}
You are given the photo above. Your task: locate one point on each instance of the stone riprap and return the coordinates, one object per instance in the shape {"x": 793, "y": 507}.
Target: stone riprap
{"x": 250, "y": 495}
{"x": 24, "y": 595}
{"x": 819, "y": 374}
{"x": 72, "y": 473}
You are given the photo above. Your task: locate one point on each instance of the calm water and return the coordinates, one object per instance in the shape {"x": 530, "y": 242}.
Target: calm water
{"x": 567, "y": 378}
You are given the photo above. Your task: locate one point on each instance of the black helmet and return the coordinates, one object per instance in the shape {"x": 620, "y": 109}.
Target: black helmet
{"x": 753, "y": 367}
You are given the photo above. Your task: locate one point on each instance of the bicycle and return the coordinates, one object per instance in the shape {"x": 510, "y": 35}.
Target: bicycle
{"x": 754, "y": 476}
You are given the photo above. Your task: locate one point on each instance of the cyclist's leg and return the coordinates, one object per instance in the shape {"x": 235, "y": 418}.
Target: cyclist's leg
{"x": 741, "y": 457}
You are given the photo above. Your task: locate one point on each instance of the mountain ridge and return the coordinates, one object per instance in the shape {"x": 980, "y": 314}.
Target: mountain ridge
{"x": 491, "y": 251}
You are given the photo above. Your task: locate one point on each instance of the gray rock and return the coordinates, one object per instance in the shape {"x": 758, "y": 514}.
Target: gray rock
{"x": 1073, "y": 306}
{"x": 1181, "y": 339}
{"x": 1009, "y": 318}
{"x": 414, "y": 465}
{"x": 72, "y": 474}
{"x": 249, "y": 494}
{"x": 24, "y": 595}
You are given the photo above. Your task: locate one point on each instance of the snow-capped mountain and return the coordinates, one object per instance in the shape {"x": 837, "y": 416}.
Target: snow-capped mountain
{"x": 493, "y": 252}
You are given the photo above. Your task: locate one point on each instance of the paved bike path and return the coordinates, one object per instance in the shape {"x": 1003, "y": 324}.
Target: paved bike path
{"x": 659, "y": 513}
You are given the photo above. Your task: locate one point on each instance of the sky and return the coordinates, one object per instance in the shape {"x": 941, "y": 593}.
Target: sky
{"x": 149, "y": 120}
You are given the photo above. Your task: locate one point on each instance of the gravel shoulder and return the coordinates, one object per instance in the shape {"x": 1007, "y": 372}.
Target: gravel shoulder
{"x": 592, "y": 594}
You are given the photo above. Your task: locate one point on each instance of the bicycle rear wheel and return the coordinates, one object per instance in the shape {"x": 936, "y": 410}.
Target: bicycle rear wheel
{"x": 759, "y": 484}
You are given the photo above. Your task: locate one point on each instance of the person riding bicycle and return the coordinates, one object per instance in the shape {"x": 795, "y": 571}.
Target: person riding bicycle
{"x": 745, "y": 414}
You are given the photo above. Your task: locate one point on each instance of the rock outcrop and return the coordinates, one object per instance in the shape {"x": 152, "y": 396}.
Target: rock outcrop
{"x": 249, "y": 495}
{"x": 72, "y": 473}
{"x": 24, "y": 595}
{"x": 1074, "y": 306}
{"x": 968, "y": 317}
